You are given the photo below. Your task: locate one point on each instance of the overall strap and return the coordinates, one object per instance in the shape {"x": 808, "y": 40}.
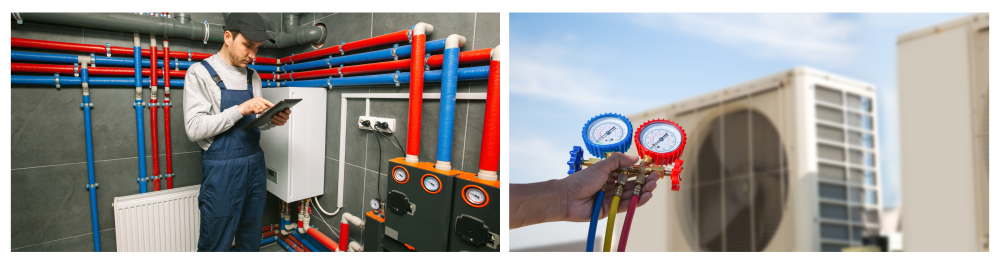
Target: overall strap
{"x": 215, "y": 75}
{"x": 250, "y": 73}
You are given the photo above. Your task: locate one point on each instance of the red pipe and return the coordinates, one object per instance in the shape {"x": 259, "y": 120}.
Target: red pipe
{"x": 632, "y": 203}
{"x": 270, "y": 227}
{"x": 166, "y": 112}
{"x": 299, "y": 245}
{"x": 489, "y": 154}
{"x": 344, "y": 229}
{"x": 349, "y": 70}
{"x": 290, "y": 243}
{"x": 326, "y": 241}
{"x": 394, "y": 37}
{"x": 268, "y": 234}
{"x": 154, "y": 133}
{"x": 416, "y": 97}
{"x": 94, "y": 71}
{"x": 475, "y": 56}
{"x": 101, "y": 49}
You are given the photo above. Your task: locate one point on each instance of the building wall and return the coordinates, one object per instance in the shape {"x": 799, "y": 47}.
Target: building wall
{"x": 50, "y": 207}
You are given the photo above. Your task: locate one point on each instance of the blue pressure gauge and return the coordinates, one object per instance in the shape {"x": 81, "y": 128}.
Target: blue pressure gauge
{"x": 609, "y": 132}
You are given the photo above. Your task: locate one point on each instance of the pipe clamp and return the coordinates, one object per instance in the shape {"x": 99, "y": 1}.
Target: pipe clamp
{"x": 205, "y": 41}
{"x": 91, "y": 186}
{"x": 254, "y": 62}
{"x": 86, "y": 105}
{"x": 339, "y": 72}
{"x": 394, "y": 56}
{"x": 328, "y": 86}
{"x": 17, "y": 16}
{"x": 76, "y": 69}
{"x": 292, "y": 58}
{"x": 176, "y": 65}
{"x": 93, "y": 62}
{"x": 427, "y": 58}
{"x": 409, "y": 34}
{"x": 189, "y": 55}
{"x": 341, "y": 47}
{"x": 57, "y": 81}
{"x": 328, "y": 61}
{"x": 107, "y": 49}
{"x": 291, "y": 75}
{"x": 395, "y": 78}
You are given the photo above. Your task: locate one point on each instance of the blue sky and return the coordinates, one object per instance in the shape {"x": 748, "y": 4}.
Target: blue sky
{"x": 567, "y": 68}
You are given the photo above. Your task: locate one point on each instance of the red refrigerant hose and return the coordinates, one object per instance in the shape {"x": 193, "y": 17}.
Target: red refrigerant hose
{"x": 632, "y": 203}
{"x": 390, "y": 38}
{"x": 166, "y": 113}
{"x": 154, "y": 133}
{"x": 489, "y": 156}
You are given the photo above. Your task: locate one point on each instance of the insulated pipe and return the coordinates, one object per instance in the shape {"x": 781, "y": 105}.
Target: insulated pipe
{"x": 73, "y": 81}
{"x": 154, "y": 133}
{"x": 489, "y": 152}
{"x": 133, "y": 23}
{"x": 449, "y": 88}
{"x": 72, "y": 70}
{"x": 420, "y": 31}
{"x": 298, "y": 244}
{"x": 92, "y": 185}
{"x": 139, "y": 130}
{"x": 464, "y": 74}
{"x": 281, "y": 241}
{"x": 475, "y": 56}
{"x": 113, "y": 50}
{"x": 267, "y": 240}
{"x": 290, "y": 243}
{"x": 293, "y": 34}
{"x": 388, "y": 66}
{"x": 166, "y": 114}
{"x": 390, "y": 38}
{"x": 315, "y": 243}
{"x": 326, "y": 241}
{"x": 344, "y": 230}
{"x": 269, "y": 233}
{"x": 386, "y": 54}
{"x": 305, "y": 242}
{"x": 96, "y": 60}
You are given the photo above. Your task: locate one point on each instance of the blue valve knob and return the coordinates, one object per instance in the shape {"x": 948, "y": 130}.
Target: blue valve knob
{"x": 575, "y": 160}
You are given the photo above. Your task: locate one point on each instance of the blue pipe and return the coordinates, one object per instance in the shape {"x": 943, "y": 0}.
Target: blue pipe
{"x": 315, "y": 243}
{"x": 95, "y": 81}
{"x": 102, "y": 61}
{"x": 268, "y": 240}
{"x": 449, "y": 88}
{"x": 140, "y": 131}
{"x": 380, "y": 55}
{"x": 464, "y": 74}
{"x": 283, "y": 244}
{"x": 595, "y": 214}
{"x": 304, "y": 242}
{"x": 90, "y": 166}
{"x": 265, "y": 68}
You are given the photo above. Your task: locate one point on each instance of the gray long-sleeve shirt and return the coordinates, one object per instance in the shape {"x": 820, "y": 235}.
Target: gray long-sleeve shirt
{"x": 203, "y": 116}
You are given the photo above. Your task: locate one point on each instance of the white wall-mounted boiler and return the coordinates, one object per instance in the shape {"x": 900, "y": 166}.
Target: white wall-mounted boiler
{"x": 295, "y": 152}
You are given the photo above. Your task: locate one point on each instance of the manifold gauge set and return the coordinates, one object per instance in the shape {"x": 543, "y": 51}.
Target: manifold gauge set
{"x": 659, "y": 143}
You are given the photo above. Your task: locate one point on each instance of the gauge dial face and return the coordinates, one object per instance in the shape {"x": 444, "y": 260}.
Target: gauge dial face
{"x": 375, "y": 204}
{"x": 431, "y": 183}
{"x": 607, "y": 130}
{"x": 475, "y": 196}
{"x": 399, "y": 174}
{"x": 660, "y": 137}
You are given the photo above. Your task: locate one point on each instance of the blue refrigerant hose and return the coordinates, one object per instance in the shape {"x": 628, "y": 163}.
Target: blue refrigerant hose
{"x": 594, "y": 216}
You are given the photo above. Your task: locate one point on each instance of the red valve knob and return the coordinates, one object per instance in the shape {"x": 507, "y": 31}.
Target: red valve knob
{"x": 675, "y": 175}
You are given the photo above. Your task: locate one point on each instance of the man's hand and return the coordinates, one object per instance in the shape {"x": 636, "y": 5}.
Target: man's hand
{"x": 581, "y": 186}
{"x": 281, "y": 117}
{"x": 255, "y": 105}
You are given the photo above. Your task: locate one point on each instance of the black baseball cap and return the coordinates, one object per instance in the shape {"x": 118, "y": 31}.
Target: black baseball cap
{"x": 251, "y": 25}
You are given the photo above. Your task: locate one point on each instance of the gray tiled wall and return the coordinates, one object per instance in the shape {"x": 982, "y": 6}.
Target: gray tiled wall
{"x": 48, "y": 157}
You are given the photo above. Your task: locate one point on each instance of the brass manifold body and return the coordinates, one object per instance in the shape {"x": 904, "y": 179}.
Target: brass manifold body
{"x": 643, "y": 170}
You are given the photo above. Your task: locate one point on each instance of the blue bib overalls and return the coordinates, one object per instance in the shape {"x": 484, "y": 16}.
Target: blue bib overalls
{"x": 233, "y": 185}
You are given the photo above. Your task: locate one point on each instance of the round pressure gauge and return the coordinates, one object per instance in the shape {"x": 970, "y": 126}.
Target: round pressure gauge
{"x": 607, "y": 133}
{"x": 400, "y": 175}
{"x": 475, "y": 196}
{"x": 431, "y": 183}
{"x": 375, "y": 204}
{"x": 661, "y": 140}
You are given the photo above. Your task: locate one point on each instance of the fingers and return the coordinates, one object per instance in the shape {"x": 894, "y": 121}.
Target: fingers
{"x": 615, "y": 161}
{"x": 266, "y": 103}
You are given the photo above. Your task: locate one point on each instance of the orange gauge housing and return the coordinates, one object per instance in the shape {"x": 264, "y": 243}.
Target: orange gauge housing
{"x": 425, "y": 186}
{"x": 481, "y": 205}
{"x": 664, "y": 157}
{"x": 393, "y": 172}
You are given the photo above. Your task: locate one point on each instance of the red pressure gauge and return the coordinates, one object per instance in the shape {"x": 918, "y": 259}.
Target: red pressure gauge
{"x": 663, "y": 141}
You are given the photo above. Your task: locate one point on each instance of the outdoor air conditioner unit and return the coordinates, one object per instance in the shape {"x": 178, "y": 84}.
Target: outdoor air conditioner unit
{"x": 781, "y": 163}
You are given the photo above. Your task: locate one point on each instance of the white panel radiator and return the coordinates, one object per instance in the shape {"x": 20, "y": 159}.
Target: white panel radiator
{"x": 166, "y": 220}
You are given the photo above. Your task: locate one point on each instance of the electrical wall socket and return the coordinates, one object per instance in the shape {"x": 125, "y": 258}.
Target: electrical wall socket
{"x": 373, "y": 120}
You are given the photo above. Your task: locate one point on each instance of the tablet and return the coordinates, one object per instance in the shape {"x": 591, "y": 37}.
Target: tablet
{"x": 266, "y": 117}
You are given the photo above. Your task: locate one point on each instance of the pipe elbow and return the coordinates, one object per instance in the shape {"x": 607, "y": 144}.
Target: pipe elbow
{"x": 354, "y": 246}
{"x": 454, "y": 41}
{"x": 422, "y": 28}
{"x": 350, "y": 218}
{"x": 498, "y": 52}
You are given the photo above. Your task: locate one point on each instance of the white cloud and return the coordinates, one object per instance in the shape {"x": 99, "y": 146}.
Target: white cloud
{"x": 535, "y": 160}
{"x": 812, "y": 37}
{"x": 544, "y": 72}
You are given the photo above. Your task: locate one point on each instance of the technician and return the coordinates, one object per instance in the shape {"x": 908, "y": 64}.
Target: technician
{"x": 221, "y": 95}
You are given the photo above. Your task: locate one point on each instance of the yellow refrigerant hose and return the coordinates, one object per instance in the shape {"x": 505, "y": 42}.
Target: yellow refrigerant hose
{"x": 611, "y": 221}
